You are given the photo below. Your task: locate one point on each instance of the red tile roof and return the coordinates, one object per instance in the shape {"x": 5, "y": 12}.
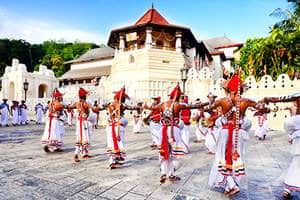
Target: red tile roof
{"x": 229, "y": 46}
{"x": 152, "y": 16}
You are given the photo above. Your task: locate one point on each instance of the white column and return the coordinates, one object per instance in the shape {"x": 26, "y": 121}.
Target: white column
{"x": 178, "y": 41}
{"x": 122, "y": 43}
{"x": 148, "y": 44}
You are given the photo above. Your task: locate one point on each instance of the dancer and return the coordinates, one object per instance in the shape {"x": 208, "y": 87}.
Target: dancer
{"x": 198, "y": 116}
{"x": 153, "y": 120}
{"x": 83, "y": 125}
{"x": 171, "y": 145}
{"x": 52, "y": 139}
{"x": 97, "y": 115}
{"x": 70, "y": 115}
{"x": 185, "y": 117}
{"x": 116, "y": 128}
{"x": 137, "y": 120}
{"x": 229, "y": 165}
{"x": 212, "y": 131}
{"x": 292, "y": 127}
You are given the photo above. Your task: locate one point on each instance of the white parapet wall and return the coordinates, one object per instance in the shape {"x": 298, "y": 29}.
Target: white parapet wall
{"x": 200, "y": 83}
{"x": 41, "y": 83}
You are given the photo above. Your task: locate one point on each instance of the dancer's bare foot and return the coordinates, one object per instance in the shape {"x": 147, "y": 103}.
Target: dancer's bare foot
{"x": 234, "y": 191}
{"x": 46, "y": 149}
{"x": 173, "y": 178}
{"x": 286, "y": 195}
{"x": 163, "y": 179}
{"x": 86, "y": 156}
{"x": 114, "y": 166}
{"x": 227, "y": 192}
{"x": 76, "y": 158}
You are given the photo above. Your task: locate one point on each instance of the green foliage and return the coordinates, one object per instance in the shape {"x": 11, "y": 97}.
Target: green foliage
{"x": 277, "y": 53}
{"x": 53, "y": 54}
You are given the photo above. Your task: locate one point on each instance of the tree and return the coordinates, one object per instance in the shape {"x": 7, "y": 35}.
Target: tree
{"x": 52, "y": 53}
{"x": 277, "y": 53}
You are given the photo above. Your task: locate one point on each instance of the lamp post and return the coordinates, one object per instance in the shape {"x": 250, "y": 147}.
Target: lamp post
{"x": 25, "y": 87}
{"x": 184, "y": 72}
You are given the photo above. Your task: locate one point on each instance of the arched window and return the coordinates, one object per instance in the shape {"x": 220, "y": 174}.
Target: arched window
{"x": 43, "y": 88}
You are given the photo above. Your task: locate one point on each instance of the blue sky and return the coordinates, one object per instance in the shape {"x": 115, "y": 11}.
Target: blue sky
{"x": 92, "y": 20}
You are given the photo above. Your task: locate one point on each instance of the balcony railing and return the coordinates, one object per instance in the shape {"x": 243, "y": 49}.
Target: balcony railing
{"x": 154, "y": 47}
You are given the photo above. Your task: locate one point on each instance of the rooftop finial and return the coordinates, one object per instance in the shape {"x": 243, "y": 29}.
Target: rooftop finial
{"x": 152, "y": 6}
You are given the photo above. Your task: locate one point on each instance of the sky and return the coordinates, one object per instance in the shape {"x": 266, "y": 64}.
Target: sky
{"x": 92, "y": 20}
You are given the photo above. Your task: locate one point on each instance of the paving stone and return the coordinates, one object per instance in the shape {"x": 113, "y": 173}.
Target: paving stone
{"x": 113, "y": 193}
{"x": 131, "y": 196}
{"x": 82, "y": 196}
{"x": 26, "y": 172}
{"x": 76, "y": 187}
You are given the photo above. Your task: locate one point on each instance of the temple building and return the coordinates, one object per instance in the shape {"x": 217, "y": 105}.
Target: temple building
{"x": 150, "y": 53}
{"x": 93, "y": 64}
{"x": 224, "y": 53}
{"x": 147, "y": 57}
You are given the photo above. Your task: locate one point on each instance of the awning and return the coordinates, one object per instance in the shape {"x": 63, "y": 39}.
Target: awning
{"x": 86, "y": 73}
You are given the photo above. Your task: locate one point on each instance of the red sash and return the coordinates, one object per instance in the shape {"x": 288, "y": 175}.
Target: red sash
{"x": 165, "y": 143}
{"x": 228, "y": 153}
{"x": 114, "y": 136}
{"x": 165, "y": 151}
{"x": 185, "y": 116}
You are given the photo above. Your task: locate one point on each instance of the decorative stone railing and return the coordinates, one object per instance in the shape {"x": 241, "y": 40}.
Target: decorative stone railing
{"x": 200, "y": 83}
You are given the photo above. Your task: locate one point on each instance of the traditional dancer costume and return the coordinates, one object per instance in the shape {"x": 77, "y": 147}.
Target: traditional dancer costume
{"x": 171, "y": 145}
{"x": 262, "y": 125}
{"x": 115, "y": 128}
{"x": 84, "y": 125}
{"x": 54, "y": 128}
{"x": 39, "y": 110}
{"x": 211, "y": 130}
{"x": 229, "y": 165}
{"x": 185, "y": 117}
{"x": 70, "y": 115}
{"x": 137, "y": 122}
{"x": 292, "y": 127}
{"x": 97, "y": 115}
{"x": 199, "y": 116}
{"x": 153, "y": 120}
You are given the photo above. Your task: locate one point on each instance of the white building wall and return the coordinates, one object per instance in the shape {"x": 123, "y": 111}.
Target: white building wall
{"x": 17, "y": 74}
{"x": 92, "y": 64}
{"x": 200, "y": 84}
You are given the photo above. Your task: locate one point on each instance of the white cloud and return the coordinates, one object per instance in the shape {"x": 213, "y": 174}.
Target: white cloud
{"x": 37, "y": 31}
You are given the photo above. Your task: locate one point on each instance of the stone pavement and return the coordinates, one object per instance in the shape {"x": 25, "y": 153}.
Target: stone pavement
{"x": 27, "y": 172}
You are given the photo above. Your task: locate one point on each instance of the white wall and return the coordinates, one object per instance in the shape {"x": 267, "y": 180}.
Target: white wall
{"x": 17, "y": 74}
{"x": 92, "y": 64}
{"x": 200, "y": 84}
